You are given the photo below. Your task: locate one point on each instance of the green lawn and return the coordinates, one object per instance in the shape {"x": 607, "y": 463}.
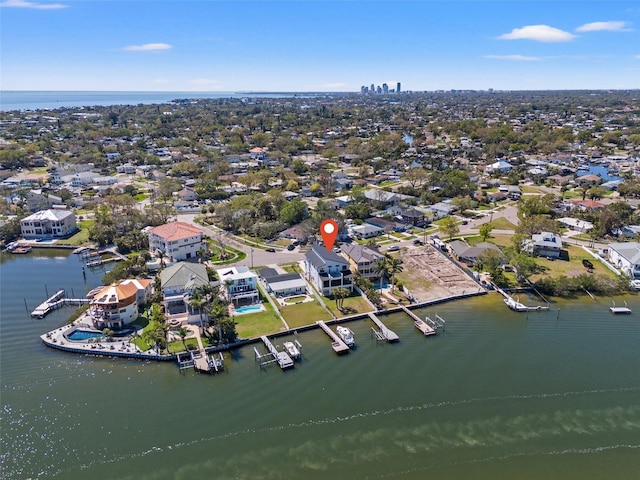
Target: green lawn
{"x": 571, "y": 268}
{"x": 304, "y": 314}
{"x": 530, "y": 189}
{"x": 178, "y": 346}
{"x": 81, "y": 237}
{"x": 252, "y": 325}
{"x": 501, "y": 223}
{"x": 354, "y": 304}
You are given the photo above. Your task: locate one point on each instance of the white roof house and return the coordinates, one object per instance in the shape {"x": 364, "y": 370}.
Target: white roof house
{"x": 501, "y": 166}
{"x": 53, "y": 223}
{"x": 626, "y": 257}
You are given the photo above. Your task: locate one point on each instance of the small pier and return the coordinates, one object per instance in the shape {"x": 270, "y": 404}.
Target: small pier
{"x": 384, "y": 333}
{"x": 336, "y": 342}
{"x": 620, "y": 310}
{"x": 200, "y": 361}
{"x": 420, "y": 324}
{"x": 54, "y": 302}
{"x": 515, "y": 305}
{"x": 282, "y": 358}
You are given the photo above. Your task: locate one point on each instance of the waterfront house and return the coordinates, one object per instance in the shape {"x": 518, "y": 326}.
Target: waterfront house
{"x": 544, "y": 244}
{"x": 239, "y": 285}
{"x": 178, "y": 282}
{"x": 283, "y": 284}
{"x": 115, "y": 306}
{"x": 47, "y": 224}
{"x": 363, "y": 259}
{"x": 626, "y": 257}
{"x": 463, "y": 252}
{"x": 326, "y": 270}
{"x": 177, "y": 240}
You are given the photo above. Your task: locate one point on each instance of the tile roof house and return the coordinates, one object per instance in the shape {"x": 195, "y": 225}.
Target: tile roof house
{"x": 327, "y": 270}
{"x": 116, "y": 305}
{"x": 177, "y": 240}
{"x": 54, "y": 223}
{"x": 362, "y": 259}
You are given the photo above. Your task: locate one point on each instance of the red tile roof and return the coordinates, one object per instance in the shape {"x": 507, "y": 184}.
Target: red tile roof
{"x": 176, "y": 231}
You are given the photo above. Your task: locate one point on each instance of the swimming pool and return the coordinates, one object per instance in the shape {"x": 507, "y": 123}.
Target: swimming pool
{"x": 249, "y": 308}
{"x": 80, "y": 335}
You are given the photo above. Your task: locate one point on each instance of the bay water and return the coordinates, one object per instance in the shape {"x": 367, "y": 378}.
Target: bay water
{"x": 552, "y": 395}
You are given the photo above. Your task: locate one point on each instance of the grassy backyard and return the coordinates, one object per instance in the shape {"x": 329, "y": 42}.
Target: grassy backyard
{"x": 571, "y": 268}
{"x": 252, "y": 325}
{"x": 351, "y": 305}
{"x": 304, "y": 314}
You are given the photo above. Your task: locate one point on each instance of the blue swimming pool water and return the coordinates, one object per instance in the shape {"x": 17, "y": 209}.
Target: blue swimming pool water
{"x": 249, "y": 308}
{"x": 79, "y": 335}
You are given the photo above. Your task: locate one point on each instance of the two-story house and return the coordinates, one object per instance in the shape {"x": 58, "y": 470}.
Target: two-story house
{"x": 240, "y": 285}
{"x": 54, "y": 223}
{"x": 115, "y": 306}
{"x": 178, "y": 282}
{"x": 326, "y": 270}
{"x": 177, "y": 240}
{"x": 363, "y": 259}
{"x": 544, "y": 244}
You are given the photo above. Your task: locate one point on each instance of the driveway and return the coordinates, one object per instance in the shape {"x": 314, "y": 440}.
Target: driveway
{"x": 256, "y": 257}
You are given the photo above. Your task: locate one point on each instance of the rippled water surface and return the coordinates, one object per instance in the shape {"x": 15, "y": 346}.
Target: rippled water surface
{"x": 498, "y": 395}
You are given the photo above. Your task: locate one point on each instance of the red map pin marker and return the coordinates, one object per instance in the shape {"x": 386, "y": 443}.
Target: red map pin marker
{"x": 329, "y": 232}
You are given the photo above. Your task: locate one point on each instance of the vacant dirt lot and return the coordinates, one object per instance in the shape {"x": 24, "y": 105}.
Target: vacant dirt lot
{"x": 428, "y": 275}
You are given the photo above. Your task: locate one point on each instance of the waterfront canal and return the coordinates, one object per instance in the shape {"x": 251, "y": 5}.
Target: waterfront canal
{"x": 498, "y": 395}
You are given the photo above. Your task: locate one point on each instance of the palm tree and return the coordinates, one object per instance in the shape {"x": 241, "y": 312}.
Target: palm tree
{"x": 161, "y": 255}
{"x": 380, "y": 269}
{"x": 182, "y": 333}
{"x": 394, "y": 265}
{"x": 339, "y": 294}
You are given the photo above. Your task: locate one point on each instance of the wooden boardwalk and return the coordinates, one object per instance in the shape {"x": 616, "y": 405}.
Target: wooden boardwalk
{"x": 388, "y": 335}
{"x": 420, "y": 324}
{"x": 336, "y": 342}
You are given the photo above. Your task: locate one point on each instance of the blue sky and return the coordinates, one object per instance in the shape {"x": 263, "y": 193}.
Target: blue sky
{"x": 210, "y": 45}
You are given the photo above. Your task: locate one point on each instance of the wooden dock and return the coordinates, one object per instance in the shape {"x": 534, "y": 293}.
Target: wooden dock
{"x": 420, "y": 324}
{"x": 385, "y": 334}
{"x": 336, "y": 342}
{"x": 54, "y": 302}
{"x": 200, "y": 361}
{"x": 282, "y": 358}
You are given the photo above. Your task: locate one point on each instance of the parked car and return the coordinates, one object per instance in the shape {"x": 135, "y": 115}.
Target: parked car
{"x": 417, "y": 242}
{"x": 393, "y": 248}
{"x": 271, "y": 250}
{"x": 291, "y": 247}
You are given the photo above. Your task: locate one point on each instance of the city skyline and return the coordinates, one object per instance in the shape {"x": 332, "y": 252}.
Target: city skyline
{"x": 318, "y": 46}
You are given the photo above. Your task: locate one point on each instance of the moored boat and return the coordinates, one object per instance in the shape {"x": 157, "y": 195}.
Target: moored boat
{"x": 346, "y": 335}
{"x": 292, "y": 349}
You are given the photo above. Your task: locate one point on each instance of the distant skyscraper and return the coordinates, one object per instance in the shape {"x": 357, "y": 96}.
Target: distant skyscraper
{"x": 385, "y": 88}
{"x": 379, "y": 90}
{"x": 363, "y": 89}
{"x": 373, "y": 88}
{"x": 398, "y": 88}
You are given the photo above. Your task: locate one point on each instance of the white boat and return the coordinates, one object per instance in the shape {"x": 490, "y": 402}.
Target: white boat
{"x": 292, "y": 349}
{"x": 346, "y": 335}
{"x": 515, "y": 305}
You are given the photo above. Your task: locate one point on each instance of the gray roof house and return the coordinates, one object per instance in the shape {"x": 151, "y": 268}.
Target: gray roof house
{"x": 544, "y": 244}
{"x": 626, "y": 257}
{"x": 283, "y": 284}
{"x": 469, "y": 255}
{"x": 326, "y": 270}
{"x": 178, "y": 281}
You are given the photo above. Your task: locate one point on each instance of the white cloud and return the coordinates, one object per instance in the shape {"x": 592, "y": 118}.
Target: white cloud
{"x": 539, "y": 33}
{"x": 515, "y": 58}
{"x": 36, "y": 6}
{"x": 613, "y": 26}
{"x": 148, "y": 47}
